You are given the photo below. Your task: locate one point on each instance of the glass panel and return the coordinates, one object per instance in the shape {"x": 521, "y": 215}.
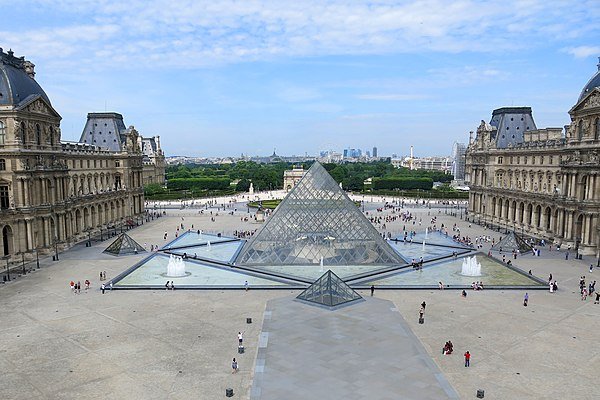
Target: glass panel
{"x": 329, "y": 290}
{"x": 219, "y": 251}
{"x": 317, "y": 222}
{"x": 193, "y": 238}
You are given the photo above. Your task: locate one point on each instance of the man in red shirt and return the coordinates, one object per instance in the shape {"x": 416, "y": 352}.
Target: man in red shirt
{"x": 467, "y": 358}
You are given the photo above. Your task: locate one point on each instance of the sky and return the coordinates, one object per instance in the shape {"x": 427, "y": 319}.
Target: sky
{"x": 225, "y": 77}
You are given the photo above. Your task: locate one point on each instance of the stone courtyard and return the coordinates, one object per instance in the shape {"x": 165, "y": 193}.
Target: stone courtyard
{"x": 157, "y": 344}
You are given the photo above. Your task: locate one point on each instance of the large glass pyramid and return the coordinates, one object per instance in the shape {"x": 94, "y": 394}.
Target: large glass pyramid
{"x": 512, "y": 242}
{"x": 124, "y": 245}
{"x": 317, "y": 223}
{"x": 329, "y": 290}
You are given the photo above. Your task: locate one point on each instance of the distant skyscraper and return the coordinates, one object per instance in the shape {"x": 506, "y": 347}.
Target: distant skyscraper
{"x": 368, "y": 153}
{"x": 374, "y": 151}
{"x": 458, "y": 160}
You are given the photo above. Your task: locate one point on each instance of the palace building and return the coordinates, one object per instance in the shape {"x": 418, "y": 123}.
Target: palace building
{"x": 542, "y": 182}
{"x": 55, "y": 193}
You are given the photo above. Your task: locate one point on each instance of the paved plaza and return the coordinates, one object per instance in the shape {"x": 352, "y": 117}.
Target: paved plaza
{"x": 361, "y": 351}
{"x": 157, "y": 344}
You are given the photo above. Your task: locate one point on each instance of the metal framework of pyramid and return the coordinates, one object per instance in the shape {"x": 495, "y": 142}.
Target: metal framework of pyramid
{"x": 511, "y": 242}
{"x": 317, "y": 222}
{"x": 124, "y": 245}
{"x": 329, "y": 290}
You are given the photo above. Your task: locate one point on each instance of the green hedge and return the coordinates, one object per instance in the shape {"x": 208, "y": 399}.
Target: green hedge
{"x": 199, "y": 183}
{"x": 402, "y": 183}
{"x": 426, "y": 194}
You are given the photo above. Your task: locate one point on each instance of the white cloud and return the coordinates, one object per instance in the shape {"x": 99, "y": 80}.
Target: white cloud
{"x": 204, "y": 33}
{"x": 584, "y": 51}
{"x": 393, "y": 96}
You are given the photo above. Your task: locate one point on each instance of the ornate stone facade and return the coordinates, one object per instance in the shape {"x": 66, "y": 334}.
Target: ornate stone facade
{"x": 55, "y": 193}
{"x": 547, "y": 184}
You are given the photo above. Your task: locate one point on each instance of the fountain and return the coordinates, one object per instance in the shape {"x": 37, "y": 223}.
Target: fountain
{"x": 426, "y": 232}
{"x": 208, "y": 244}
{"x": 470, "y": 267}
{"x": 176, "y": 267}
{"x": 423, "y": 245}
{"x": 321, "y": 264}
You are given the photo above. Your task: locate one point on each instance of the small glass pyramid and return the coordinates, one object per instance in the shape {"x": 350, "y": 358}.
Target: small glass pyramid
{"x": 512, "y": 242}
{"x": 317, "y": 224}
{"x": 124, "y": 245}
{"x": 329, "y": 290}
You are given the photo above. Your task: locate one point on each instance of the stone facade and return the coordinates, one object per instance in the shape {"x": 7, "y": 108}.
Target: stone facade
{"x": 291, "y": 177}
{"x": 545, "y": 183}
{"x": 55, "y": 193}
{"x": 154, "y": 161}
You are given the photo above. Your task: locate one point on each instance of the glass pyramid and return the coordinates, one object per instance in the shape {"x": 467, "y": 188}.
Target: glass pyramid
{"x": 329, "y": 290}
{"x": 124, "y": 245}
{"x": 315, "y": 223}
{"x": 512, "y": 242}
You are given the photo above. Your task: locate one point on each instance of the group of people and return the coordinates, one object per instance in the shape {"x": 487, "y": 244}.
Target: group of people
{"x": 588, "y": 290}
{"x": 170, "y": 285}
{"x": 76, "y": 287}
{"x": 477, "y": 285}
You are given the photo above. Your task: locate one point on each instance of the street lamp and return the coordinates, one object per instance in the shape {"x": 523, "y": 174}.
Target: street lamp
{"x": 37, "y": 259}
{"x": 23, "y": 259}
{"x": 55, "y": 248}
{"x": 7, "y": 257}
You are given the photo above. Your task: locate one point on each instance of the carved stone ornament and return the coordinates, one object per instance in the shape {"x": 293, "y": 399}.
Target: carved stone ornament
{"x": 592, "y": 101}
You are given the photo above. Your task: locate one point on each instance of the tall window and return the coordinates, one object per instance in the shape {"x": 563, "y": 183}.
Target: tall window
{"x": 38, "y": 134}
{"x": 51, "y": 136}
{"x": 2, "y": 164}
{"x": 3, "y": 197}
{"x": 23, "y": 133}
{"x": 580, "y": 130}
{"x": 597, "y": 132}
{"x": 2, "y": 133}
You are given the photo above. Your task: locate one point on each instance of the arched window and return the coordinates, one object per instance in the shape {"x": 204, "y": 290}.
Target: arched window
{"x": 51, "y": 137}
{"x": 38, "y": 134}
{"x": 580, "y": 131}
{"x": 2, "y": 133}
{"x": 23, "y": 133}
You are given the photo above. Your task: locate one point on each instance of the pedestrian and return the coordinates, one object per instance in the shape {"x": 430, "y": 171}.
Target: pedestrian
{"x": 372, "y": 290}
{"x": 591, "y": 268}
{"x": 246, "y": 286}
{"x": 467, "y": 359}
{"x": 87, "y": 284}
{"x": 234, "y": 366}
{"x": 464, "y": 294}
{"x": 78, "y": 287}
{"x": 584, "y": 294}
{"x": 100, "y": 275}
{"x": 423, "y": 304}
{"x": 72, "y": 284}
{"x": 167, "y": 285}
{"x": 104, "y": 275}
{"x": 102, "y": 287}
{"x": 240, "y": 339}
{"x": 567, "y": 255}
{"x": 597, "y": 298}
{"x": 526, "y": 299}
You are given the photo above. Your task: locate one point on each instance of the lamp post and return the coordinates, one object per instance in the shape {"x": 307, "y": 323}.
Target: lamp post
{"x": 55, "y": 248}
{"x": 7, "y": 257}
{"x": 37, "y": 259}
{"x": 89, "y": 237}
{"x": 23, "y": 259}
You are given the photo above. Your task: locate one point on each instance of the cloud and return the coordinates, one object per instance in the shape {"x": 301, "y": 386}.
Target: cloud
{"x": 189, "y": 34}
{"x": 392, "y": 96}
{"x": 583, "y": 51}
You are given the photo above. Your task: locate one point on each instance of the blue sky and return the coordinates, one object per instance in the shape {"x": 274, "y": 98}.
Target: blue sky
{"x": 216, "y": 78}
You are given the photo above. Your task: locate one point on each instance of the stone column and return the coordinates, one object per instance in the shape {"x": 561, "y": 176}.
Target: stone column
{"x": 29, "y": 233}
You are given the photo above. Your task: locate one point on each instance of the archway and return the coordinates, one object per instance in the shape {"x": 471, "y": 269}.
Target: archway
{"x": 538, "y": 216}
{"x": 7, "y": 240}
{"x": 547, "y": 214}
{"x": 579, "y": 229}
{"x": 529, "y": 214}
{"x": 522, "y": 212}
{"x": 78, "y": 221}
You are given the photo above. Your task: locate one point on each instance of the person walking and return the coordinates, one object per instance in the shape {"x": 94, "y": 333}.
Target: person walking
{"x": 240, "y": 339}
{"x": 103, "y": 288}
{"x": 526, "y": 299}
{"x": 246, "y": 286}
{"x": 467, "y": 359}
{"x": 597, "y": 298}
{"x": 234, "y": 366}
{"x": 372, "y": 290}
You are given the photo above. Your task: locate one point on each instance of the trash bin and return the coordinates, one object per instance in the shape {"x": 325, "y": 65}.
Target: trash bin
{"x": 229, "y": 392}
{"x": 248, "y": 320}
{"x": 480, "y": 393}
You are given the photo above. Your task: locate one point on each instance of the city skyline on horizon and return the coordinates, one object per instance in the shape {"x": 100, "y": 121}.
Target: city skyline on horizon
{"x": 216, "y": 80}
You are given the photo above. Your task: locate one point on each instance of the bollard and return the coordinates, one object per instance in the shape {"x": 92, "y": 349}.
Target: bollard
{"x": 480, "y": 393}
{"x": 241, "y": 349}
{"x": 248, "y": 320}
{"x": 229, "y": 392}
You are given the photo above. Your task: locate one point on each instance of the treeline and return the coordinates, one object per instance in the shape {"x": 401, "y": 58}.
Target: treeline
{"x": 197, "y": 180}
{"x": 402, "y": 183}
